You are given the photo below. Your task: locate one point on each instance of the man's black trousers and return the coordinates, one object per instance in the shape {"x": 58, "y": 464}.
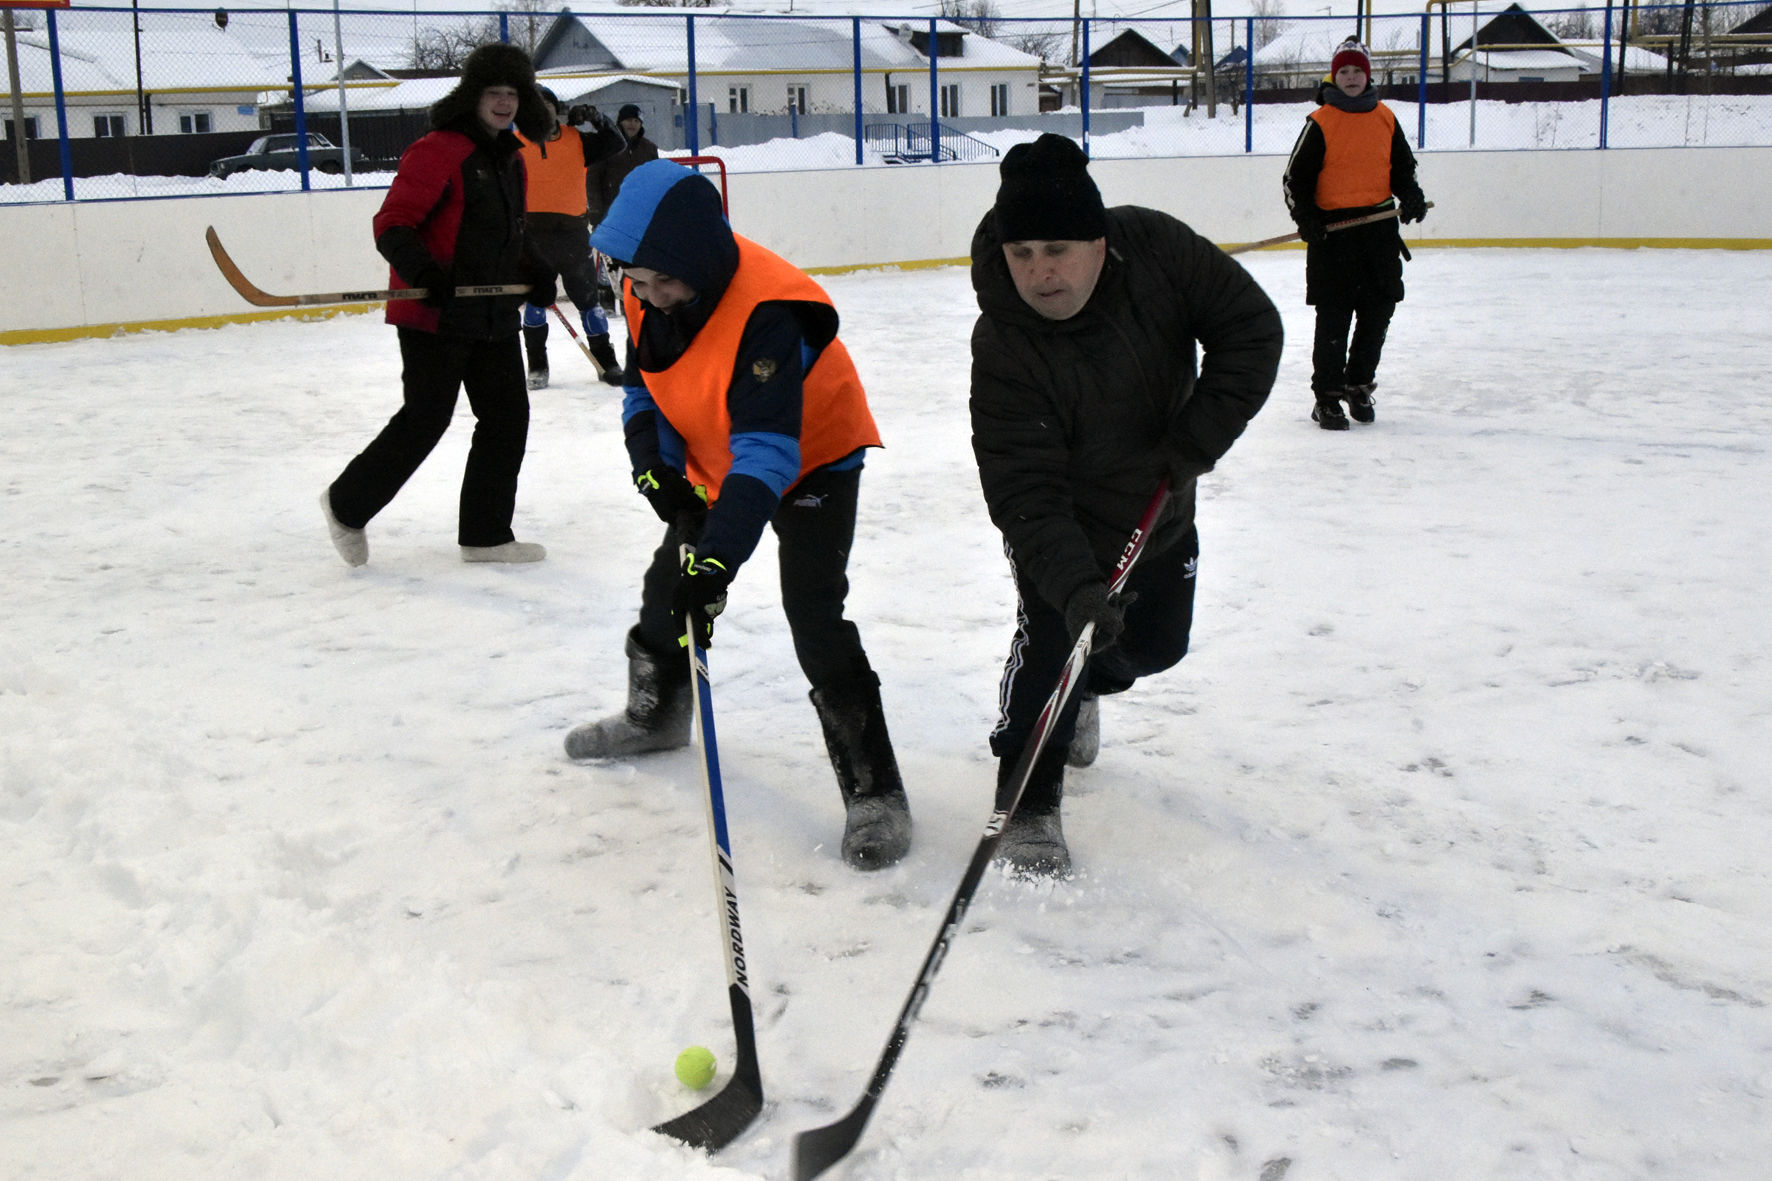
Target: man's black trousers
{"x": 435, "y": 370}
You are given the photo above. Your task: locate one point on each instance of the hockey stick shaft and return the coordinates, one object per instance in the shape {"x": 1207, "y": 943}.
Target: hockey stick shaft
{"x": 714, "y": 1124}
{"x": 573, "y": 332}
{"x": 1368, "y": 219}
{"x": 258, "y": 297}
{"x": 820, "y": 1148}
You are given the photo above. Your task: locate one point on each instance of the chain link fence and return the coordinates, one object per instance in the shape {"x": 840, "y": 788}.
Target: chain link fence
{"x": 148, "y": 102}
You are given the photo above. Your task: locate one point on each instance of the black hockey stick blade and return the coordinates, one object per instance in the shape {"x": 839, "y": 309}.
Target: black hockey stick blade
{"x": 820, "y": 1148}
{"x": 717, "y": 1122}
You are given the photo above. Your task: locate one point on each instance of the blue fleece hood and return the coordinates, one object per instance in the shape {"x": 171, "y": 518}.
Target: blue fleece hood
{"x": 667, "y": 218}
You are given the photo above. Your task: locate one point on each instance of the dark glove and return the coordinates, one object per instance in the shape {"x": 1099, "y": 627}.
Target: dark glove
{"x": 1411, "y": 207}
{"x": 577, "y": 115}
{"x": 542, "y": 291}
{"x": 1311, "y": 229}
{"x": 700, "y": 596}
{"x": 1185, "y": 464}
{"x": 1091, "y": 603}
{"x": 439, "y": 286}
{"x": 678, "y": 503}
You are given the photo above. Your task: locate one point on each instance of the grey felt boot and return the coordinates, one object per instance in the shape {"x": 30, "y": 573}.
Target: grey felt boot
{"x": 656, "y": 717}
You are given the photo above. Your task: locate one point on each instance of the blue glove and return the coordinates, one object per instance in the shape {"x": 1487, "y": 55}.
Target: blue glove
{"x": 700, "y": 596}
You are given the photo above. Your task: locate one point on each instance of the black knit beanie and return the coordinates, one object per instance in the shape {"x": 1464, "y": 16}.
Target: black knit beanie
{"x": 1047, "y": 195}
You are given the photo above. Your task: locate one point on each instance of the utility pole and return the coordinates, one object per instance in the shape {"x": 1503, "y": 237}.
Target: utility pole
{"x": 144, "y": 118}
{"x": 18, "y": 100}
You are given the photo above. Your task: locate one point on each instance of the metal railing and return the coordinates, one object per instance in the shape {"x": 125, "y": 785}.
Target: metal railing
{"x": 908, "y": 143}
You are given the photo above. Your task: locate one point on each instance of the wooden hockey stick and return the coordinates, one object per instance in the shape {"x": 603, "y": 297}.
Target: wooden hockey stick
{"x": 555, "y": 308}
{"x": 1331, "y": 227}
{"x": 264, "y": 299}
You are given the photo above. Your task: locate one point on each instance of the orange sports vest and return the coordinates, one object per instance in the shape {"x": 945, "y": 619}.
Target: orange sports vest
{"x": 834, "y": 416}
{"x": 556, "y": 181}
{"x": 1356, "y": 156}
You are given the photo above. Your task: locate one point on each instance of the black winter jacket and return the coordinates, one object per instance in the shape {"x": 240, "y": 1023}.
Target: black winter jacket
{"x": 1360, "y": 265}
{"x": 1075, "y": 421}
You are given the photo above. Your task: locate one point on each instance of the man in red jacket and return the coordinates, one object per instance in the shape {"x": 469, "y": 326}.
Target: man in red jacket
{"x": 454, "y": 216}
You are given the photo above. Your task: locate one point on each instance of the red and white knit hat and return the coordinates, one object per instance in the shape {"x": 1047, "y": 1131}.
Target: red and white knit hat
{"x": 1351, "y": 53}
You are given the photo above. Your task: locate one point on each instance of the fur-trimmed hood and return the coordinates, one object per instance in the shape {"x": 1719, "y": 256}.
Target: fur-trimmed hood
{"x": 497, "y": 64}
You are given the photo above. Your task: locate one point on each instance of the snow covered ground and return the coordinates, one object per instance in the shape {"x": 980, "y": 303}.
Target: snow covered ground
{"x": 1443, "y": 855}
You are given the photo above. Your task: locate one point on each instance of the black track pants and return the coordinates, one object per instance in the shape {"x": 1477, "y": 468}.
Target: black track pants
{"x": 1158, "y": 622}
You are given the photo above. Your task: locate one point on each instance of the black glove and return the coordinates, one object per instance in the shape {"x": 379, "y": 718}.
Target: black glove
{"x": 577, "y": 115}
{"x": 700, "y": 596}
{"x": 439, "y": 286}
{"x": 1091, "y": 603}
{"x": 1311, "y": 229}
{"x": 1185, "y": 464}
{"x": 1411, "y": 207}
{"x": 678, "y": 504}
{"x": 542, "y": 291}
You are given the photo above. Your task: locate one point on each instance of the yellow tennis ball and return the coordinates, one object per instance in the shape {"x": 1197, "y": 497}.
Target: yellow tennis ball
{"x": 695, "y": 1067}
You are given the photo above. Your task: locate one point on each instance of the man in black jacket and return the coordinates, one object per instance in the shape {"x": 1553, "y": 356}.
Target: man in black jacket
{"x": 1086, "y": 392}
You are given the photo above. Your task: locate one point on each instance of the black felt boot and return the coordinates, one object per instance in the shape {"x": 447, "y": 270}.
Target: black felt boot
{"x": 877, "y": 816}
{"x": 656, "y": 717}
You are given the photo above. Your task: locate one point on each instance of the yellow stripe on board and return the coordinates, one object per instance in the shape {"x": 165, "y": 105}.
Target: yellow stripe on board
{"x": 87, "y": 331}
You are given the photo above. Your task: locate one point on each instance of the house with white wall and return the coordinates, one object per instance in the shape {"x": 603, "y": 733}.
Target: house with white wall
{"x": 177, "y": 73}
{"x": 781, "y": 65}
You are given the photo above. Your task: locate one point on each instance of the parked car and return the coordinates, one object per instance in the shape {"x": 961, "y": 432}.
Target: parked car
{"x": 281, "y": 151}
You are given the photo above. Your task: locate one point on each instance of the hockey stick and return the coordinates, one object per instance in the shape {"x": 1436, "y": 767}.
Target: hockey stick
{"x": 264, "y": 299}
{"x": 715, "y": 1123}
{"x": 1331, "y": 227}
{"x": 819, "y": 1149}
{"x": 555, "y": 308}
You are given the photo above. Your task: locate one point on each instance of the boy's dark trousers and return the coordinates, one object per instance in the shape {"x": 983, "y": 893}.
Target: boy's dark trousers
{"x": 435, "y": 369}
{"x": 1156, "y": 638}
{"x": 1334, "y": 366}
{"x": 814, "y": 529}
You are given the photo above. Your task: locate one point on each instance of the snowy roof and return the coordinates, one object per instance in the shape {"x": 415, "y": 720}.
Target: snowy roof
{"x": 1515, "y": 60}
{"x": 418, "y": 94}
{"x": 374, "y": 41}
{"x": 179, "y": 52}
{"x": 750, "y": 45}
{"x": 1636, "y": 58}
{"x": 1312, "y": 44}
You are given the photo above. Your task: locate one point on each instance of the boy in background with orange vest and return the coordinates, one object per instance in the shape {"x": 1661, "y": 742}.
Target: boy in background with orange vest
{"x": 742, "y": 411}
{"x": 557, "y": 241}
{"x": 1350, "y": 160}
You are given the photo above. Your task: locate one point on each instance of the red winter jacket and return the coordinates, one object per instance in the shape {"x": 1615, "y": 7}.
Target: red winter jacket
{"x": 456, "y": 204}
